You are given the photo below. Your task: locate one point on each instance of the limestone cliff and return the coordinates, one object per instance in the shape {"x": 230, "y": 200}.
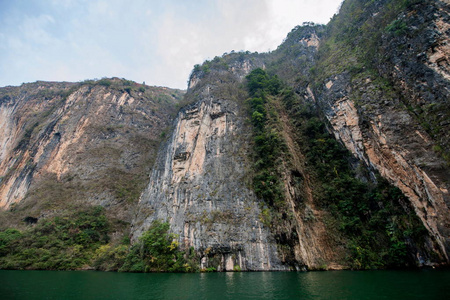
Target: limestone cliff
{"x": 199, "y": 182}
{"x": 68, "y": 144}
{"x": 202, "y": 183}
{"x": 396, "y": 121}
{"x": 354, "y": 116}
{"x": 365, "y": 111}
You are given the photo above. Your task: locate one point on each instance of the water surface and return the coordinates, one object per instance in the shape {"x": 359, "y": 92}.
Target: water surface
{"x": 423, "y": 284}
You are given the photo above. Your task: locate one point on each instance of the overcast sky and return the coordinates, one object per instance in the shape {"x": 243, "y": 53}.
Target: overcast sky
{"x": 156, "y": 41}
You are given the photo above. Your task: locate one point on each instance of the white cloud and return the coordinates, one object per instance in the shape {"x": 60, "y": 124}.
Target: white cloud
{"x": 142, "y": 40}
{"x": 63, "y": 3}
{"x": 230, "y": 25}
{"x": 34, "y": 29}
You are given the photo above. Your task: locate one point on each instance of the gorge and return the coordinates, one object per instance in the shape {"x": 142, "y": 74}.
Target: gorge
{"x": 330, "y": 152}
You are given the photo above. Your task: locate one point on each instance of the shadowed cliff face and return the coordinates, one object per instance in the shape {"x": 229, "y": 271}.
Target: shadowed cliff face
{"x": 397, "y": 121}
{"x": 426, "y": 94}
{"x": 389, "y": 140}
{"x": 74, "y": 144}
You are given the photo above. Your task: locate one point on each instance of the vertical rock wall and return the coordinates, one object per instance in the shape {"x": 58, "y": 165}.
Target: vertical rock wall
{"x": 396, "y": 128}
{"x": 64, "y": 144}
{"x": 199, "y": 186}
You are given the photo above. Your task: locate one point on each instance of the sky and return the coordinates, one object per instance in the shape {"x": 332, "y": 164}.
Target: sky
{"x": 153, "y": 41}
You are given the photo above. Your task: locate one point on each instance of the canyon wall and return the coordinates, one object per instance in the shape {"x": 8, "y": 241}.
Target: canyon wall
{"x": 358, "y": 107}
{"x": 396, "y": 121}
{"x": 200, "y": 183}
{"x": 67, "y": 144}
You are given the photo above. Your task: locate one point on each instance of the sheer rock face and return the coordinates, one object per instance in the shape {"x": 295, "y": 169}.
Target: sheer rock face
{"x": 62, "y": 142}
{"x": 199, "y": 186}
{"x": 389, "y": 140}
{"x": 392, "y": 139}
{"x": 65, "y": 144}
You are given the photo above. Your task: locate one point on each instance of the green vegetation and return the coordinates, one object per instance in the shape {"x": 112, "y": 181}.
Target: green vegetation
{"x": 80, "y": 240}
{"x": 133, "y": 89}
{"x": 104, "y": 82}
{"x": 352, "y": 40}
{"x": 272, "y": 159}
{"x": 157, "y": 251}
{"x": 217, "y": 67}
{"x": 59, "y": 243}
{"x": 292, "y": 62}
{"x": 268, "y": 145}
{"x": 398, "y": 27}
{"x": 374, "y": 217}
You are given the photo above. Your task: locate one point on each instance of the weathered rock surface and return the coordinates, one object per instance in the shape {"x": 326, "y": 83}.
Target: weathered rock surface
{"x": 64, "y": 144}
{"x": 379, "y": 130}
{"x": 199, "y": 185}
{"x": 201, "y": 172}
{"x": 69, "y": 144}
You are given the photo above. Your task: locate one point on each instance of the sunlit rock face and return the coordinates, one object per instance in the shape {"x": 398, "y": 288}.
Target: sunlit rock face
{"x": 403, "y": 136}
{"x": 145, "y": 155}
{"x": 65, "y": 144}
{"x": 199, "y": 186}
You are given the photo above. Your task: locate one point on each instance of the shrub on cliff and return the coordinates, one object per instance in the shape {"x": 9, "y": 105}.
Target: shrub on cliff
{"x": 59, "y": 243}
{"x": 157, "y": 251}
{"x": 268, "y": 144}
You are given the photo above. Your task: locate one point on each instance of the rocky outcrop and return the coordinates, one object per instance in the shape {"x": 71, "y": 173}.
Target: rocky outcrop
{"x": 20, "y": 118}
{"x": 200, "y": 186}
{"x": 390, "y": 141}
{"x": 89, "y": 143}
{"x": 378, "y": 75}
{"x": 370, "y": 118}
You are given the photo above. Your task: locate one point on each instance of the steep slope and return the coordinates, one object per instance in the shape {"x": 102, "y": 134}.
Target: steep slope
{"x": 205, "y": 184}
{"x": 387, "y": 99}
{"x": 199, "y": 182}
{"x": 326, "y": 208}
{"x": 66, "y": 145}
{"x": 330, "y": 152}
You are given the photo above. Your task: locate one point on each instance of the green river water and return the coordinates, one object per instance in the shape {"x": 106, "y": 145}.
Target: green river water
{"x": 422, "y": 284}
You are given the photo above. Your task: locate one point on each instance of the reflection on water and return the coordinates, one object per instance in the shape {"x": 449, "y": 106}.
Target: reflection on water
{"x": 425, "y": 284}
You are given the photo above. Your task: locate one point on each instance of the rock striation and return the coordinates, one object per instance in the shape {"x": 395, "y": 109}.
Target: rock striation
{"x": 199, "y": 185}
{"x": 69, "y": 144}
{"x": 376, "y": 77}
{"x": 364, "y": 112}
{"x": 400, "y": 128}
